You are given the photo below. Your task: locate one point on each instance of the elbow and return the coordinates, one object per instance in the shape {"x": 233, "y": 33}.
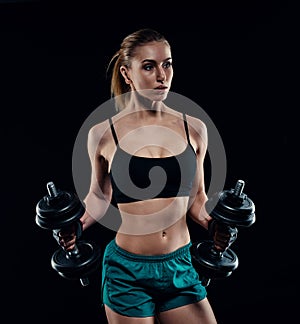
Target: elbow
{"x": 95, "y": 208}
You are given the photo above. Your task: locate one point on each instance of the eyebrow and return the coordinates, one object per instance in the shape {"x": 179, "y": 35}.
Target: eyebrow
{"x": 153, "y": 61}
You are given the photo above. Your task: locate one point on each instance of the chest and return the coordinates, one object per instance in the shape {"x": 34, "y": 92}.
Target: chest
{"x": 153, "y": 142}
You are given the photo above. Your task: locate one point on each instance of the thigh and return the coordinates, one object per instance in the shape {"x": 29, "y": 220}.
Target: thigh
{"x": 196, "y": 313}
{"x": 124, "y": 288}
{"x": 115, "y": 318}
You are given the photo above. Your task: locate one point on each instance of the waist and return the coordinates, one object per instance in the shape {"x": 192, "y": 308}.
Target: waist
{"x": 151, "y": 216}
{"x": 163, "y": 241}
{"x": 160, "y": 257}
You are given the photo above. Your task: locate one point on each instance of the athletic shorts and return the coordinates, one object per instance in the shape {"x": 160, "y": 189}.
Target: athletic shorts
{"x": 140, "y": 286}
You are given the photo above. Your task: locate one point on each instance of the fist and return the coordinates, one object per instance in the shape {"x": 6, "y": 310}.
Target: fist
{"x": 223, "y": 235}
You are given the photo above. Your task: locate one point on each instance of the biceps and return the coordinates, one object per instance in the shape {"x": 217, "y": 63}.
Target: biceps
{"x": 199, "y": 183}
{"x": 100, "y": 180}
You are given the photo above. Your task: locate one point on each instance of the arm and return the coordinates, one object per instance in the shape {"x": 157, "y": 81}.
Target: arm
{"x": 198, "y": 197}
{"x": 98, "y": 198}
{"x": 223, "y": 236}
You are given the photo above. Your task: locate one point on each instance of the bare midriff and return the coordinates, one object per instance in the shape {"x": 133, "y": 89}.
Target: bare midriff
{"x": 153, "y": 227}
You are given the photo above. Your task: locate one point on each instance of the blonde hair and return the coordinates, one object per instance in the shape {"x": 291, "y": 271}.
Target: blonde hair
{"x": 123, "y": 57}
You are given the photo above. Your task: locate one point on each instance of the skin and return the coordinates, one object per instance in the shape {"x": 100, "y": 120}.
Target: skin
{"x": 151, "y": 67}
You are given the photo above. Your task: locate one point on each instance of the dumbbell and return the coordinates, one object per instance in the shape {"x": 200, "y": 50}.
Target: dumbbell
{"x": 233, "y": 209}
{"x": 59, "y": 210}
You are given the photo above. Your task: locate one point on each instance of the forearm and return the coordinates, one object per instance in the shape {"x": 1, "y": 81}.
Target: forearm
{"x": 95, "y": 209}
{"x": 198, "y": 212}
{"x": 87, "y": 220}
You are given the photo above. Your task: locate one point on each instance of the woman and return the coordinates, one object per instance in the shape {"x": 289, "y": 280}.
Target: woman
{"x": 148, "y": 159}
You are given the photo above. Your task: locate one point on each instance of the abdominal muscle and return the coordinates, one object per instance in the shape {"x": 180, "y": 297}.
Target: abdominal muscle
{"x": 153, "y": 227}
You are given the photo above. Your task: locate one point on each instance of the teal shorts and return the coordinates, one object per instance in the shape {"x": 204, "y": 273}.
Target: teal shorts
{"x": 140, "y": 286}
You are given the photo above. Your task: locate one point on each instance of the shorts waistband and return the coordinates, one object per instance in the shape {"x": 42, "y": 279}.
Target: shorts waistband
{"x": 150, "y": 258}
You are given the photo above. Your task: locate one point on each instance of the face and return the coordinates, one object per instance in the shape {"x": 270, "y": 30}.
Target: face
{"x": 151, "y": 71}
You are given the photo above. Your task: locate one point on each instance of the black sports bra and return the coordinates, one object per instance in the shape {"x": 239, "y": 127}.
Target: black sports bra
{"x": 136, "y": 178}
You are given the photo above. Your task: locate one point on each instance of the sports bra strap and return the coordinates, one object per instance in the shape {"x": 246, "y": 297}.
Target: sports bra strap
{"x": 113, "y": 131}
{"x": 186, "y": 128}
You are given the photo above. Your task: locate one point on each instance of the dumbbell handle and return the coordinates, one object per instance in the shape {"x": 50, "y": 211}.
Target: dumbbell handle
{"x": 205, "y": 281}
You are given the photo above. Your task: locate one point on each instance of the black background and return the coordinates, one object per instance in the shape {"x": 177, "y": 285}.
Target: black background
{"x": 236, "y": 60}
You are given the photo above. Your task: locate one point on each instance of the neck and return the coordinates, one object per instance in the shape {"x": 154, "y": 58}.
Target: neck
{"x": 144, "y": 106}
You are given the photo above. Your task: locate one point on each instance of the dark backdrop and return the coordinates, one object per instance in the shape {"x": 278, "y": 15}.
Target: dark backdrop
{"x": 235, "y": 60}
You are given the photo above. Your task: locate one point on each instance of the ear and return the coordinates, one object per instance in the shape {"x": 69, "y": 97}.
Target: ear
{"x": 124, "y": 72}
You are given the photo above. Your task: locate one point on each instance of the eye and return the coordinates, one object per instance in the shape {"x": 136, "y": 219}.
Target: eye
{"x": 148, "y": 67}
{"x": 167, "y": 65}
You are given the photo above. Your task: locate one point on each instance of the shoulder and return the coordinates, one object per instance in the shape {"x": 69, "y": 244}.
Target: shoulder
{"x": 197, "y": 128}
{"x": 99, "y": 133}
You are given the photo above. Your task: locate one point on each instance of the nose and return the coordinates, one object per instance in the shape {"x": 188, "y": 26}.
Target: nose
{"x": 161, "y": 75}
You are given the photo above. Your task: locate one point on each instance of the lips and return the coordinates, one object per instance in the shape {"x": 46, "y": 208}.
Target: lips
{"x": 161, "y": 88}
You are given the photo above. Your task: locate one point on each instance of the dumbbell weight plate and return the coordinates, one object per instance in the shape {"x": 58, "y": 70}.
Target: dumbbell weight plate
{"x": 60, "y": 211}
{"x": 210, "y": 264}
{"x": 231, "y": 210}
{"x": 79, "y": 266}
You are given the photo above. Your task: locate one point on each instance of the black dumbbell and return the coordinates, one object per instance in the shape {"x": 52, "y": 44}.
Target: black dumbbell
{"x": 58, "y": 211}
{"x": 232, "y": 209}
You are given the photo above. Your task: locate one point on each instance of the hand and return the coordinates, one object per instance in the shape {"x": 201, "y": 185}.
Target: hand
{"x": 223, "y": 235}
{"x": 66, "y": 237}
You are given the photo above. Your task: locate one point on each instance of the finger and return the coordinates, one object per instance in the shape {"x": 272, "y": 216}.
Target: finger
{"x": 67, "y": 241}
{"x": 220, "y": 247}
{"x": 68, "y": 231}
{"x": 66, "y": 235}
{"x": 222, "y": 238}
